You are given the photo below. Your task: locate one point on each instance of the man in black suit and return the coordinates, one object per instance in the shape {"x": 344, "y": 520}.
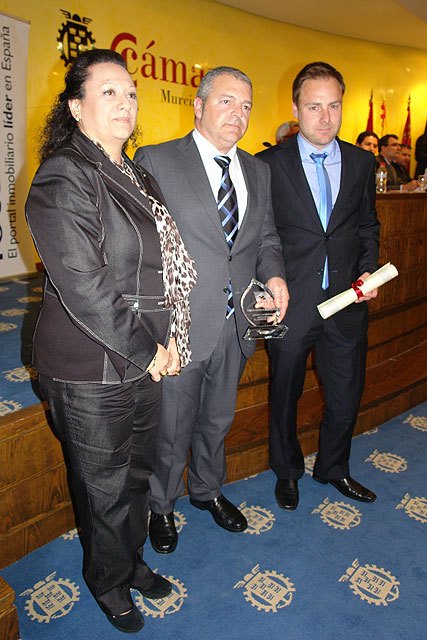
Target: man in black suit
{"x": 402, "y": 164}
{"x": 389, "y": 151}
{"x": 323, "y": 256}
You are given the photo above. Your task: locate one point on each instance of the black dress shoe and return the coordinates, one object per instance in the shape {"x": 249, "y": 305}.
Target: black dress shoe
{"x": 349, "y": 488}
{"x": 225, "y": 514}
{"x": 131, "y": 622}
{"x": 149, "y": 584}
{"x": 163, "y": 533}
{"x": 287, "y": 494}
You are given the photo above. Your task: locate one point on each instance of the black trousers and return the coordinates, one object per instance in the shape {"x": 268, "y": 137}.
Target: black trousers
{"x": 109, "y": 433}
{"x": 341, "y": 363}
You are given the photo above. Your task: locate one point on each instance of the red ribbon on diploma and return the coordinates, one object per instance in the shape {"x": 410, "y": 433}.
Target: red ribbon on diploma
{"x": 356, "y": 286}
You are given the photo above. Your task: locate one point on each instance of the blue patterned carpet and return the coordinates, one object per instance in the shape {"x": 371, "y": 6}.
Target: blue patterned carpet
{"x": 330, "y": 570}
{"x": 19, "y": 304}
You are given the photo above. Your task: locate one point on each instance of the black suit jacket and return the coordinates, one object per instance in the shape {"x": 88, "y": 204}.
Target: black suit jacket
{"x": 98, "y": 241}
{"x": 350, "y": 241}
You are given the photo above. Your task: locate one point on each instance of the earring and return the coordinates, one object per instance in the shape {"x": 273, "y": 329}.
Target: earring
{"x": 77, "y": 117}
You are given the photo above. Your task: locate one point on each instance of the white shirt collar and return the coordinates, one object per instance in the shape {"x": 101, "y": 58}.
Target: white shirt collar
{"x": 306, "y": 148}
{"x": 207, "y": 149}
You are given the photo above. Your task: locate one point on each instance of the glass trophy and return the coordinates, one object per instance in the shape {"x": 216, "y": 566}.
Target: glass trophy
{"x": 261, "y": 320}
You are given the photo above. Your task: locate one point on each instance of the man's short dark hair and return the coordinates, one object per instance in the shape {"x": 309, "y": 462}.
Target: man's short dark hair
{"x": 385, "y": 140}
{"x": 366, "y": 134}
{"x": 315, "y": 71}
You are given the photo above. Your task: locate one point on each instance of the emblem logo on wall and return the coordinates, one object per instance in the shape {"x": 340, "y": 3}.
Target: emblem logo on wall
{"x": 372, "y": 584}
{"x": 74, "y": 37}
{"x": 51, "y": 598}
{"x": 414, "y": 507}
{"x": 266, "y": 590}
{"x": 339, "y": 515}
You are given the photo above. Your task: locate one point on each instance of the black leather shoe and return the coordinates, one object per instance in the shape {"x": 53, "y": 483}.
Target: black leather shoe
{"x": 159, "y": 589}
{"x": 225, "y": 514}
{"x": 287, "y": 494}
{"x": 163, "y": 533}
{"x": 149, "y": 584}
{"x": 131, "y": 622}
{"x": 349, "y": 488}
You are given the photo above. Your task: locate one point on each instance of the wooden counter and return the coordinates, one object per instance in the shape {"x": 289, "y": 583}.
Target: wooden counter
{"x": 35, "y": 504}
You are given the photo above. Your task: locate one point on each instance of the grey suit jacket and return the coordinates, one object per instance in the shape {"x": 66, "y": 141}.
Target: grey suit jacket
{"x": 178, "y": 168}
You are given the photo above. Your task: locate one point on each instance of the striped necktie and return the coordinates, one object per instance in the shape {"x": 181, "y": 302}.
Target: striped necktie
{"x": 325, "y": 202}
{"x": 228, "y": 213}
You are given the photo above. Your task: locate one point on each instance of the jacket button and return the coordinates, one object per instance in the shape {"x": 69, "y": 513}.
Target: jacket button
{"x": 225, "y": 289}
{"x": 327, "y": 237}
{"x": 319, "y": 273}
{"x": 230, "y": 258}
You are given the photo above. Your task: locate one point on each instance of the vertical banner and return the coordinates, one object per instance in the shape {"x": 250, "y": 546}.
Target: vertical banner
{"x": 16, "y": 250}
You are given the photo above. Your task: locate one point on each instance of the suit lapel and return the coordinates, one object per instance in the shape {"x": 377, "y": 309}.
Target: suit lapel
{"x": 192, "y": 167}
{"x": 118, "y": 184}
{"x": 290, "y": 161}
{"x": 348, "y": 171}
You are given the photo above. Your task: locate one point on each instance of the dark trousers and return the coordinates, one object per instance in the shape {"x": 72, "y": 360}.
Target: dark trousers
{"x": 197, "y": 411}
{"x": 341, "y": 363}
{"x": 109, "y": 433}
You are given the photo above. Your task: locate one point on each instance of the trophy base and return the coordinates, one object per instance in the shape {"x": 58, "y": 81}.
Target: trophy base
{"x": 267, "y": 332}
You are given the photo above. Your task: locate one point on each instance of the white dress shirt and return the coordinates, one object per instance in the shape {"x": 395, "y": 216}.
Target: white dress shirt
{"x": 214, "y": 172}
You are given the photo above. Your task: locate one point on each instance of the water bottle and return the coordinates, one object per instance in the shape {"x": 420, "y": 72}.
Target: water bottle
{"x": 381, "y": 178}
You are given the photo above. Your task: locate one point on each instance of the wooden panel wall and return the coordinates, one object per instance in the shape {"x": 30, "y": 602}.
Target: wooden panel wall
{"x": 35, "y": 504}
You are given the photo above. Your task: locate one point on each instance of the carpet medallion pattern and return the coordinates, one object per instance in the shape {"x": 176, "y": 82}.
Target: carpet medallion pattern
{"x": 333, "y": 568}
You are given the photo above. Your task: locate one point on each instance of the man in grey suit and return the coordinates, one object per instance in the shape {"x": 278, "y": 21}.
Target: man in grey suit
{"x": 220, "y": 199}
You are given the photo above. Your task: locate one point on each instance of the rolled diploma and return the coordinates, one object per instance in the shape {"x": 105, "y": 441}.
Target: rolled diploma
{"x": 346, "y": 298}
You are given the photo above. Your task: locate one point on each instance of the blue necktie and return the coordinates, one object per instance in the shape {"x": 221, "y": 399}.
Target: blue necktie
{"x": 325, "y": 202}
{"x": 228, "y": 213}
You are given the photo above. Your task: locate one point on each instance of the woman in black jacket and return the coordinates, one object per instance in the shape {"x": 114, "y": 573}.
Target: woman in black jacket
{"x": 114, "y": 320}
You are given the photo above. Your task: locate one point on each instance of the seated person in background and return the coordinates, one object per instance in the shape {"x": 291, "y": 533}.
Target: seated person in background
{"x": 402, "y": 163}
{"x": 286, "y": 131}
{"x": 389, "y": 148}
{"x": 368, "y": 140}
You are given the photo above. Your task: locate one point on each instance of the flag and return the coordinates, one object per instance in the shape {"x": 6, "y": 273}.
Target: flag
{"x": 406, "y": 135}
{"x": 370, "y": 123}
{"x": 383, "y": 116}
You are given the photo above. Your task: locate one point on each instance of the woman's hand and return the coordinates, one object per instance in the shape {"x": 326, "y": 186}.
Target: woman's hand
{"x": 174, "y": 367}
{"x": 158, "y": 367}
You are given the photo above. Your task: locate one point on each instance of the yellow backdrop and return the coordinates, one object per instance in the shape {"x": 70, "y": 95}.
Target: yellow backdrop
{"x": 166, "y": 43}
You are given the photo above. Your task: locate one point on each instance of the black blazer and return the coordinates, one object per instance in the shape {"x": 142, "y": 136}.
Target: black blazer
{"x": 350, "y": 241}
{"x": 97, "y": 238}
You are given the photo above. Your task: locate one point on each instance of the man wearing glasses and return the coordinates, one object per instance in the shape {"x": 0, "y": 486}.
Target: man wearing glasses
{"x": 389, "y": 148}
